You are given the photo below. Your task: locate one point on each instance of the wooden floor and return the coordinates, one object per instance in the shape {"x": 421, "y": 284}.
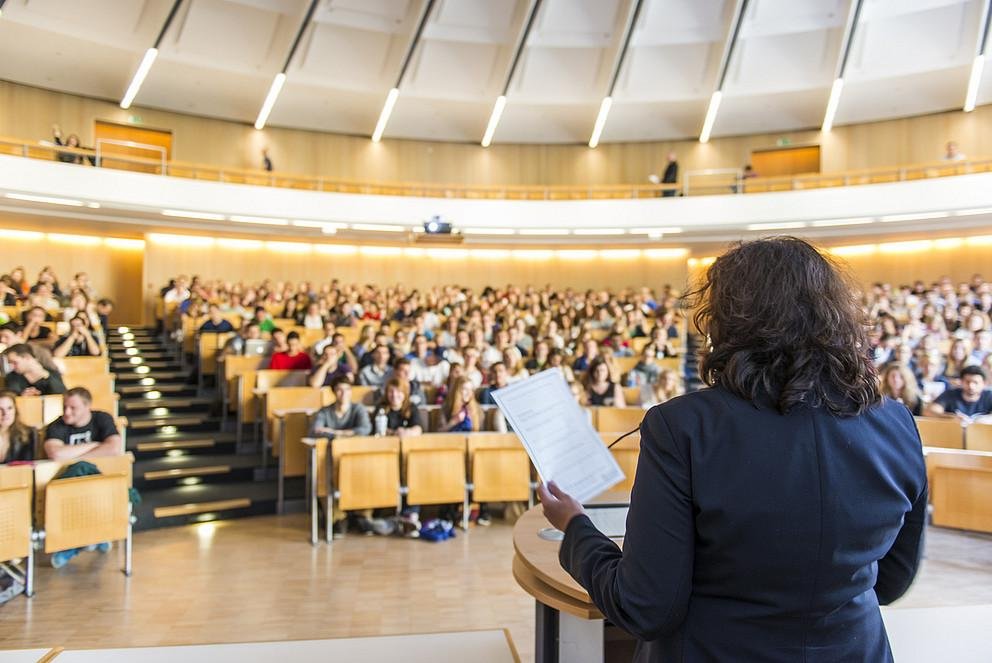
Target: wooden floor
{"x": 259, "y": 579}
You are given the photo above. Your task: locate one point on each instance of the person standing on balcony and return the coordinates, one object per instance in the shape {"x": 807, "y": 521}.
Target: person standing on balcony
{"x": 266, "y": 161}
{"x": 671, "y": 175}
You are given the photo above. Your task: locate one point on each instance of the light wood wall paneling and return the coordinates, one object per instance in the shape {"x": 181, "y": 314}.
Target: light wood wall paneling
{"x": 29, "y": 113}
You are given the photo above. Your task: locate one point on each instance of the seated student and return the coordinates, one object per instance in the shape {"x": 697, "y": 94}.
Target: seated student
{"x": 216, "y": 323}
{"x": 312, "y": 319}
{"x": 11, "y": 334}
{"x": 557, "y": 360}
{"x": 403, "y": 372}
{"x": 539, "y": 360}
{"x": 666, "y": 387}
{"x": 499, "y": 377}
{"x": 81, "y": 433}
{"x": 898, "y": 383}
{"x": 600, "y": 389}
{"x": 34, "y": 329}
{"x": 236, "y": 344}
{"x": 343, "y": 418}
{"x": 375, "y": 373}
{"x": 15, "y": 437}
{"x": 330, "y": 329}
{"x": 647, "y": 370}
{"x": 427, "y": 367}
{"x": 402, "y": 416}
{"x": 277, "y": 343}
{"x": 294, "y": 358}
{"x": 590, "y": 351}
{"x": 329, "y": 369}
{"x": 15, "y": 446}
{"x": 27, "y": 377}
{"x": 970, "y": 402}
{"x": 80, "y": 341}
{"x": 104, "y": 307}
{"x": 366, "y": 342}
{"x": 460, "y": 411}
{"x": 264, "y": 320}
{"x": 514, "y": 363}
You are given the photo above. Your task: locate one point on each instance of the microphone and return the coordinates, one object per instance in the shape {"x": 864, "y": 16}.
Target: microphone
{"x": 627, "y": 434}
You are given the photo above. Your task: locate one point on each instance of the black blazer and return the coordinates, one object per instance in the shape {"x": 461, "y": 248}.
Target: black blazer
{"x": 755, "y": 536}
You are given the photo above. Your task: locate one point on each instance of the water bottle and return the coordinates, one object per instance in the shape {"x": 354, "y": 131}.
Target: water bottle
{"x": 380, "y": 422}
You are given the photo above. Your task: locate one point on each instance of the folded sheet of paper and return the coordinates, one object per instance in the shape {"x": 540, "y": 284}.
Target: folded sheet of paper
{"x": 558, "y": 436}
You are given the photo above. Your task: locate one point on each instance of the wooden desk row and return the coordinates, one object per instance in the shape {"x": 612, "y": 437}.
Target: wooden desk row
{"x": 63, "y": 514}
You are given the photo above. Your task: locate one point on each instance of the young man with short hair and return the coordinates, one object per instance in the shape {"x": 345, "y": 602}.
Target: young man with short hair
{"x": 970, "y": 403}
{"x": 27, "y": 377}
{"x": 81, "y": 433}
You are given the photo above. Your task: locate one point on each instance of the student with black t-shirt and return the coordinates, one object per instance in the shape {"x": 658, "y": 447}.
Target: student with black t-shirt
{"x": 969, "y": 403}
{"x": 34, "y": 329}
{"x": 402, "y": 417}
{"x": 27, "y": 377}
{"x": 80, "y": 431}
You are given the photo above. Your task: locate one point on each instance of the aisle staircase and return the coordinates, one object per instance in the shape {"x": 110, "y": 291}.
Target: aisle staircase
{"x": 186, "y": 468}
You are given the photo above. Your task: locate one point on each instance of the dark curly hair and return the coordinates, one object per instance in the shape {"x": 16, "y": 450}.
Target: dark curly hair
{"x": 784, "y": 326}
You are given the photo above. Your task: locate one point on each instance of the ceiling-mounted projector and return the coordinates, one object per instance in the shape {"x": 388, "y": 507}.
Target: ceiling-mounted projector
{"x": 437, "y": 226}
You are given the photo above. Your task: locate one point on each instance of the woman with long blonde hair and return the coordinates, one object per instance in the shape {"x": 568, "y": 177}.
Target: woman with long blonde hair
{"x": 898, "y": 383}
{"x": 461, "y": 411}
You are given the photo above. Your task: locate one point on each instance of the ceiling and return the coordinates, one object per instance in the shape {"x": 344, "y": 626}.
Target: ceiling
{"x": 218, "y": 58}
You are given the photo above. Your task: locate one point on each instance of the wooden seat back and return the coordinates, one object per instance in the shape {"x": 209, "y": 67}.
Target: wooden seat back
{"x": 978, "y": 437}
{"x": 434, "y": 468}
{"x": 15, "y": 511}
{"x": 209, "y": 345}
{"x": 233, "y": 366}
{"x": 499, "y": 468}
{"x": 367, "y": 472}
{"x": 940, "y": 432}
{"x": 86, "y": 510}
{"x": 100, "y": 385}
{"x": 961, "y": 488}
{"x": 83, "y": 366}
{"x": 625, "y": 452}
{"x": 287, "y": 398}
{"x": 632, "y": 396}
{"x": 262, "y": 380}
{"x": 293, "y": 427}
{"x": 625, "y": 364}
{"x": 364, "y": 395}
{"x": 617, "y": 419}
{"x": 39, "y": 411}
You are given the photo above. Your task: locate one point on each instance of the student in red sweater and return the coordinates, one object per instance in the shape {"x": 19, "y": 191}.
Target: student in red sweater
{"x": 293, "y": 359}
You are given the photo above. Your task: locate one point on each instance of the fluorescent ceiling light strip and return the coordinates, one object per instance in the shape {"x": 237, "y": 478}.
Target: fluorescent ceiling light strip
{"x": 832, "y": 103}
{"x": 21, "y": 234}
{"x": 288, "y": 247}
{"x": 497, "y": 113}
{"x": 854, "y": 250}
{"x": 335, "y": 249}
{"x": 533, "y": 254}
{"x": 377, "y": 228}
{"x": 916, "y": 216}
{"x": 45, "y": 199}
{"x": 826, "y": 223}
{"x": 319, "y": 224}
{"x": 490, "y": 254}
{"x": 187, "y": 214}
{"x": 669, "y": 230}
{"x": 489, "y": 231}
{"x": 620, "y": 254}
{"x": 906, "y": 247}
{"x": 597, "y": 130}
{"x": 666, "y": 253}
{"x": 599, "y": 231}
{"x": 139, "y": 77}
{"x": 973, "y": 211}
{"x": 380, "y": 250}
{"x": 258, "y": 220}
{"x": 181, "y": 240}
{"x": 704, "y": 135}
{"x": 387, "y": 110}
{"x": 447, "y": 254}
{"x": 577, "y": 254}
{"x": 788, "y": 225}
{"x": 270, "y": 100}
{"x": 121, "y": 243}
{"x": 979, "y": 240}
{"x": 79, "y": 240}
{"x": 234, "y": 243}
{"x": 948, "y": 242}
{"x": 544, "y": 231}
{"x": 974, "y": 81}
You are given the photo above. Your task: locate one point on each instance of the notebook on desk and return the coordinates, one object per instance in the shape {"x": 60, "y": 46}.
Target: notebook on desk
{"x": 610, "y": 519}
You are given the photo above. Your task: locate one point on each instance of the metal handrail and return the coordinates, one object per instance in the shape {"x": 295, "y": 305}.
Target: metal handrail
{"x": 899, "y": 173}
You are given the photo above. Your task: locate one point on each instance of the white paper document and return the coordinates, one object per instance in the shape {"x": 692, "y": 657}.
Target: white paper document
{"x": 558, "y": 436}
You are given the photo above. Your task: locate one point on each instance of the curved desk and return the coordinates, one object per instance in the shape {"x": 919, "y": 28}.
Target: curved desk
{"x": 568, "y": 627}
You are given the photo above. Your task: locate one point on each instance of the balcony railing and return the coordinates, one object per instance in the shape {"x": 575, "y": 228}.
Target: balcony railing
{"x": 694, "y": 182}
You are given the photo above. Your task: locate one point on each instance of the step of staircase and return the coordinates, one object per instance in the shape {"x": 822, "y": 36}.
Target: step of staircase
{"x": 180, "y": 444}
{"x": 132, "y": 376}
{"x": 182, "y": 505}
{"x": 177, "y": 404}
{"x": 187, "y": 470}
{"x": 166, "y": 388}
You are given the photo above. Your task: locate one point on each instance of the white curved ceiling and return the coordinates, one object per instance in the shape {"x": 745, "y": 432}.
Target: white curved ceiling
{"x": 218, "y": 59}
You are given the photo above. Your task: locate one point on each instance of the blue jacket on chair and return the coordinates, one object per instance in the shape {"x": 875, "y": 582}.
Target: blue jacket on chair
{"x": 759, "y": 536}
